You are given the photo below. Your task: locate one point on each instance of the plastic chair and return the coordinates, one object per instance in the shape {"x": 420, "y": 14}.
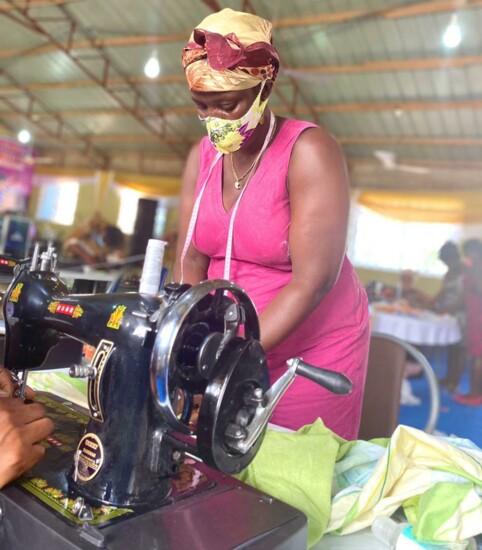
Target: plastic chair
{"x": 381, "y": 401}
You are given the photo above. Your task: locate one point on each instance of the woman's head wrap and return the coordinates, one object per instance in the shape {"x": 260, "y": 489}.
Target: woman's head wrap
{"x": 230, "y": 50}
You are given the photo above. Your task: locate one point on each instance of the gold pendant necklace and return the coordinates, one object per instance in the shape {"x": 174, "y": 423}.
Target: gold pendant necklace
{"x": 238, "y": 180}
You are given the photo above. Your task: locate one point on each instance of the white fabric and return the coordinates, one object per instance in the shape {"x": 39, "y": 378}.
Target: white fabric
{"x": 427, "y": 329}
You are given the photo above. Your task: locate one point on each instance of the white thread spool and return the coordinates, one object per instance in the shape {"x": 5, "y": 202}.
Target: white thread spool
{"x": 151, "y": 272}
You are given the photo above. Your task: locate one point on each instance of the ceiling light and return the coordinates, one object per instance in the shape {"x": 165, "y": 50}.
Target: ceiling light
{"x": 152, "y": 68}
{"x": 398, "y": 112}
{"x": 452, "y": 35}
{"x": 24, "y": 136}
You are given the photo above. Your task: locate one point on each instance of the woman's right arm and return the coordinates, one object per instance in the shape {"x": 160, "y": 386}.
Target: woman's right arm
{"x": 195, "y": 263}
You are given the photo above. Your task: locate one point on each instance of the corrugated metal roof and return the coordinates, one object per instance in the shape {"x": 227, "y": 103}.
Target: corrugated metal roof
{"x": 328, "y": 48}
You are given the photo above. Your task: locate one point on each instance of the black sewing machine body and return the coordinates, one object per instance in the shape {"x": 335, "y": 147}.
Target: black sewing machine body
{"x": 154, "y": 353}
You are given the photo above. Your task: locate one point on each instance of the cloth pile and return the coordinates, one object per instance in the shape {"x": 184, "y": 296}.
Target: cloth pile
{"x": 343, "y": 486}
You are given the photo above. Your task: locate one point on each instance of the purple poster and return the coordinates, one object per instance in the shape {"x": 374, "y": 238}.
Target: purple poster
{"x": 16, "y": 172}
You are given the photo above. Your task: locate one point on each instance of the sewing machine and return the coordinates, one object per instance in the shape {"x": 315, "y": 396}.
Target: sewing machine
{"x": 131, "y": 477}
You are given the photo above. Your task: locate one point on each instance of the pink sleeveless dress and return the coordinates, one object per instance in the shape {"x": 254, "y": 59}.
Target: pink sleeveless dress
{"x": 336, "y": 335}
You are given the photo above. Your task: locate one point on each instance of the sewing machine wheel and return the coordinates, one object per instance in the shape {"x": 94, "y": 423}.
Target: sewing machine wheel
{"x": 237, "y": 384}
{"x": 191, "y": 334}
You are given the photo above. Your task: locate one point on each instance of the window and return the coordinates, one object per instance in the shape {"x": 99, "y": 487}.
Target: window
{"x": 129, "y": 201}
{"x": 378, "y": 242}
{"x": 58, "y": 202}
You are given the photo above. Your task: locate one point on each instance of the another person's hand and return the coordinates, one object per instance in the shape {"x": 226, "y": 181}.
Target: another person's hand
{"x": 7, "y": 385}
{"x": 22, "y": 428}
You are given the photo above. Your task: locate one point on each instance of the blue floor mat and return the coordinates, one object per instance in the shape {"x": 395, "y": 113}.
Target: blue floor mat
{"x": 454, "y": 419}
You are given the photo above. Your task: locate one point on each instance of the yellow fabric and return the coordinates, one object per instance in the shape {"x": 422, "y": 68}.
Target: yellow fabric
{"x": 249, "y": 29}
{"x": 448, "y": 207}
{"x": 416, "y": 464}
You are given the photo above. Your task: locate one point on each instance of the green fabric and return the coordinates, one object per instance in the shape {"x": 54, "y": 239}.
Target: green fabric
{"x": 297, "y": 468}
{"x": 441, "y": 514}
{"x": 342, "y": 486}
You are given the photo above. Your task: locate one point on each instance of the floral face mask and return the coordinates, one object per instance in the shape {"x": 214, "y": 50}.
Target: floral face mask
{"x": 227, "y": 136}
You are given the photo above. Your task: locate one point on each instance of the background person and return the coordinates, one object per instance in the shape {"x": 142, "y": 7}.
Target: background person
{"x": 451, "y": 300}
{"x": 96, "y": 242}
{"x": 407, "y": 291}
{"x": 274, "y": 193}
{"x": 472, "y": 249}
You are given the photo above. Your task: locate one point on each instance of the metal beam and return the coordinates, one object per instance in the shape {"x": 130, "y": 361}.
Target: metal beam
{"x": 324, "y": 18}
{"x": 212, "y": 5}
{"x": 412, "y": 9}
{"x": 154, "y": 123}
{"x": 411, "y": 140}
{"x": 344, "y": 140}
{"x": 28, "y": 4}
{"x": 190, "y": 110}
{"x": 299, "y": 72}
{"x": 52, "y": 124}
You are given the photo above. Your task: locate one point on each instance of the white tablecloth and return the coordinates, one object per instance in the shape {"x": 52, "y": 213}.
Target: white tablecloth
{"x": 427, "y": 329}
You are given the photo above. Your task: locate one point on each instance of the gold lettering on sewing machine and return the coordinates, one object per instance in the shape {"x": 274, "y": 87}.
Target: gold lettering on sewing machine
{"x": 101, "y": 355}
{"x": 116, "y": 317}
{"x": 15, "y": 294}
{"x": 78, "y": 311}
{"x": 53, "y": 307}
{"x": 66, "y": 309}
{"x": 89, "y": 462}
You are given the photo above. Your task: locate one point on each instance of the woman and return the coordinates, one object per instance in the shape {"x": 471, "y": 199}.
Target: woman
{"x": 271, "y": 215}
{"x": 450, "y": 299}
{"x": 473, "y": 295}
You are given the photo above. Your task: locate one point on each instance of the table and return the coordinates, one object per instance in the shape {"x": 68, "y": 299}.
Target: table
{"x": 421, "y": 328}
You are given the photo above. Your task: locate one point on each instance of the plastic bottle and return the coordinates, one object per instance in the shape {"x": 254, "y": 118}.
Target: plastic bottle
{"x": 399, "y": 536}
{"x": 151, "y": 272}
{"x": 388, "y": 531}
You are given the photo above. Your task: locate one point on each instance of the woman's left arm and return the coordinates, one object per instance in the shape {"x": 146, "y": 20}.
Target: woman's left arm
{"x": 319, "y": 204}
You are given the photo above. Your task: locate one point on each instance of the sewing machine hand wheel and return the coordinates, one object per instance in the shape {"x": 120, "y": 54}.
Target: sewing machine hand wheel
{"x": 191, "y": 335}
{"x": 237, "y": 403}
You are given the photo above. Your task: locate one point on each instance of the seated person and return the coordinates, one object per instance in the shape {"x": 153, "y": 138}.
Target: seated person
{"x": 22, "y": 428}
{"x": 96, "y": 242}
{"x": 406, "y": 291}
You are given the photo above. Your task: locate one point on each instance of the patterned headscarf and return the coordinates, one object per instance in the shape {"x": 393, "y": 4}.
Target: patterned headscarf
{"x": 230, "y": 50}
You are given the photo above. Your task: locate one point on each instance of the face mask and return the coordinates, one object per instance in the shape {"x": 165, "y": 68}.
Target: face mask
{"x": 228, "y": 136}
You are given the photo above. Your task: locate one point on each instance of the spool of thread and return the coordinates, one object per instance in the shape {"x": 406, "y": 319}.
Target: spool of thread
{"x": 151, "y": 272}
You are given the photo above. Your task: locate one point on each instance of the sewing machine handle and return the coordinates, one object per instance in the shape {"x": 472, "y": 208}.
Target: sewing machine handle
{"x": 335, "y": 382}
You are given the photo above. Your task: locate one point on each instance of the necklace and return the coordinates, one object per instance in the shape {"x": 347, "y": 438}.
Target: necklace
{"x": 239, "y": 179}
